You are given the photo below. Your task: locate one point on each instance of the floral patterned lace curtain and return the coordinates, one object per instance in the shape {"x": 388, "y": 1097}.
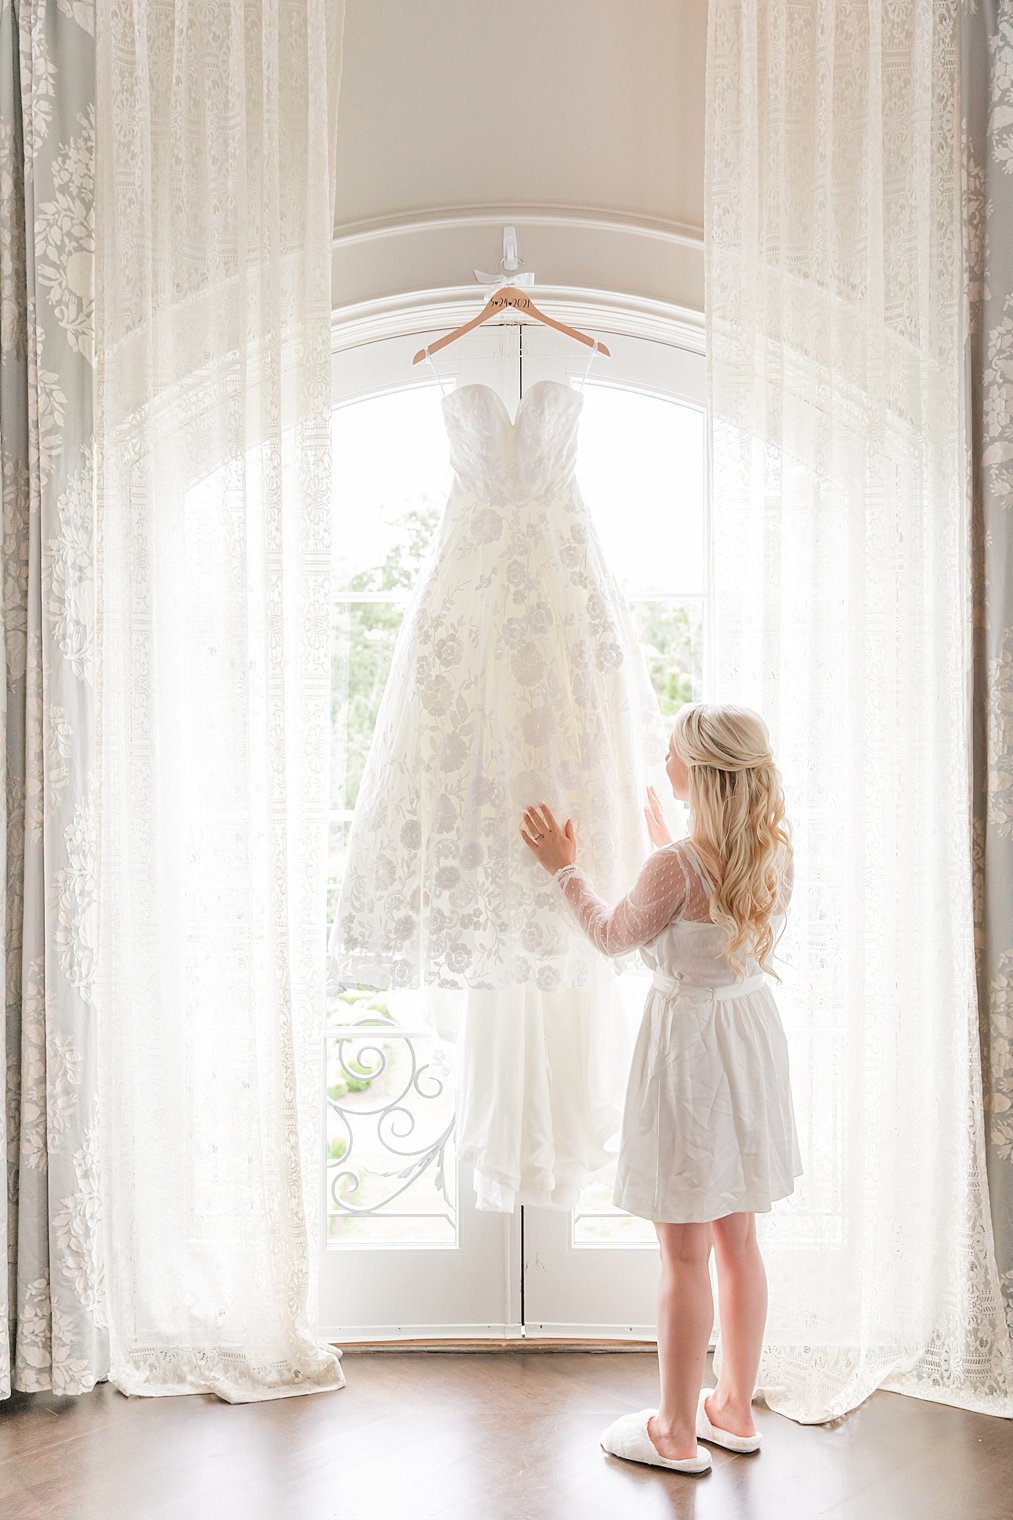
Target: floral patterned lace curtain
{"x": 987, "y": 58}
{"x": 167, "y": 533}
{"x": 834, "y": 246}
{"x": 52, "y": 1286}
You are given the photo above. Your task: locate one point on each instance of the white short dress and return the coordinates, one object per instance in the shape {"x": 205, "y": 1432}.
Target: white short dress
{"x": 708, "y": 1125}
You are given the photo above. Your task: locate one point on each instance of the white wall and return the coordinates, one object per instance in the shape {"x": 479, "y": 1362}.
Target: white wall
{"x": 578, "y": 121}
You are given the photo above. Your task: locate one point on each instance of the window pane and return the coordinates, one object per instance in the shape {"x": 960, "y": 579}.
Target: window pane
{"x": 337, "y": 846}
{"x": 670, "y": 637}
{"x": 391, "y": 478}
{"x": 391, "y": 1163}
{"x": 641, "y": 471}
{"x": 362, "y": 644}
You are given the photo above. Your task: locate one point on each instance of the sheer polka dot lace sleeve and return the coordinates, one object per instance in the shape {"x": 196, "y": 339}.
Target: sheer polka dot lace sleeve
{"x": 660, "y": 893}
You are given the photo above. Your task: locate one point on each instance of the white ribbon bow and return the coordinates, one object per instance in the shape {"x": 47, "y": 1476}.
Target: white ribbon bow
{"x": 494, "y": 282}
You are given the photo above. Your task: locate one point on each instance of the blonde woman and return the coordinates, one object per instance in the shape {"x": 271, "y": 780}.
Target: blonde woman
{"x": 708, "y": 1134}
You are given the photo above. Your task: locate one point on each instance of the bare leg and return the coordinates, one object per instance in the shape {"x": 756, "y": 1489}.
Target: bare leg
{"x": 685, "y": 1320}
{"x": 742, "y": 1304}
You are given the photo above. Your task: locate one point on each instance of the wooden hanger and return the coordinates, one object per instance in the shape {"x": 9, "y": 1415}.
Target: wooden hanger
{"x": 510, "y": 295}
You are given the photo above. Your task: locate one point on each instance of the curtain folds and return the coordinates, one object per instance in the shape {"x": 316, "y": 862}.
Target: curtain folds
{"x": 834, "y": 249}
{"x": 215, "y": 199}
{"x": 987, "y": 58}
{"x": 52, "y": 1289}
{"x": 167, "y": 199}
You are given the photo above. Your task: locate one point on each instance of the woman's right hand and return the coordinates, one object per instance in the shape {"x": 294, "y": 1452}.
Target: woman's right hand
{"x": 657, "y": 828}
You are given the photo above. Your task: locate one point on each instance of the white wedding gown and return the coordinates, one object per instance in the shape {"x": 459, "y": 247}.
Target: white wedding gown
{"x": 516, "y": 678}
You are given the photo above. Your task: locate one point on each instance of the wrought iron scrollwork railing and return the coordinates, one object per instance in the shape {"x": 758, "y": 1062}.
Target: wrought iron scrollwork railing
{"x": 380, "y": 1093}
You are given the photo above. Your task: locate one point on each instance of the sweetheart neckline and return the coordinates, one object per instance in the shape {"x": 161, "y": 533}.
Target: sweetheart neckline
{"x": 479, "y": 385}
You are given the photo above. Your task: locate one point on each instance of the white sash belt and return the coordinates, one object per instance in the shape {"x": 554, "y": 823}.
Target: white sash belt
{"x": 679, "y": 984}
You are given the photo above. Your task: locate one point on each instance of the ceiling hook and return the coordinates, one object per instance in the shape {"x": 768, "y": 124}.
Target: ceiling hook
{"x": 510, "y": 261}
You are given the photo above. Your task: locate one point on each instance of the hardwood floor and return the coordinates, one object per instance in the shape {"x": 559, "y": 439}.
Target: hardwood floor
{"x": 481, "y": 1436}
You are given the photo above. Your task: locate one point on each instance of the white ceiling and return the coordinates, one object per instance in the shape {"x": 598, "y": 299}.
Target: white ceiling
{"x": 563, "y": 104}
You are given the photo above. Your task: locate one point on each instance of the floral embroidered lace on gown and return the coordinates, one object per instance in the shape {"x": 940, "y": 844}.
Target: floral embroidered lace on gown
{"x": 708, "y": 1123}
{"x": 517, "y": 678}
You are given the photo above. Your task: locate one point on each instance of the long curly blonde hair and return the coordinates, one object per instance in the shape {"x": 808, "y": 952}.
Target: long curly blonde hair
{"x": 737, "y": 820}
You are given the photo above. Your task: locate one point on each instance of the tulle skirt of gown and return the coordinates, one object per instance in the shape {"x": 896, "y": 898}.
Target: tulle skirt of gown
{"x": 540, "y": 1087}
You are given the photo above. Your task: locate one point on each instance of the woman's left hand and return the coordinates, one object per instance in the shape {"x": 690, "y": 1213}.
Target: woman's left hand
{"x": 553, "y": 846}
{"x": 657, "y": 827}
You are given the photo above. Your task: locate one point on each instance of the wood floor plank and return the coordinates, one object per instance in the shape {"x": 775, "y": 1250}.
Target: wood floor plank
{"x": 454, "y": 1435}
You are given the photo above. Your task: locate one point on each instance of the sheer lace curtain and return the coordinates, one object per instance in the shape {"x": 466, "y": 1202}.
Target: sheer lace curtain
{"x": 214, "y": 194}
{"x": 833, "y": 245}
{"x": 52, "y": 1313}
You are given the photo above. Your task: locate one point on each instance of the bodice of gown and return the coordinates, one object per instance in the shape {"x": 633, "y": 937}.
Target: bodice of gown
{"x": 506, "y": 463}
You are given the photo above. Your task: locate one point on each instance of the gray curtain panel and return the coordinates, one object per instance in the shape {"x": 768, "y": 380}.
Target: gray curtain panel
{"x": 987, "y": 67}
{"x": 51, "y": 1296}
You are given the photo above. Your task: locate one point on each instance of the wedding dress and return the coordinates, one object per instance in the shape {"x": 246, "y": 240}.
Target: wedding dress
{"x": 516, "y": 678}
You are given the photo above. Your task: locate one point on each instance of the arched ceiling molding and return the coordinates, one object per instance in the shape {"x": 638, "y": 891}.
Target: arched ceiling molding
{"x": 572, "y": 250}
{"x": 438, "y": 218}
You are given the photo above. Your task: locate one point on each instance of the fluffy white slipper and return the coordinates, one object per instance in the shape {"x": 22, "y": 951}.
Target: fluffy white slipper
{"x": 705, "y": 1431}
{"x": 628, "y": 1437}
